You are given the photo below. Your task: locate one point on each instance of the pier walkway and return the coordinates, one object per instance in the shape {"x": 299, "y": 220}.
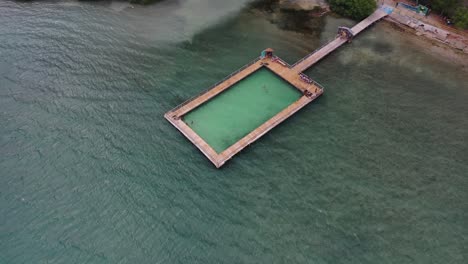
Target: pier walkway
{"x": 320, "y": 53}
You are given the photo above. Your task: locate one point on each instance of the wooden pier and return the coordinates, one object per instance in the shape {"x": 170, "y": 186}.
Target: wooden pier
{"x": 334, "y": 44}
{"x": 310, "y": 90}
{"x": 292, "y": 74}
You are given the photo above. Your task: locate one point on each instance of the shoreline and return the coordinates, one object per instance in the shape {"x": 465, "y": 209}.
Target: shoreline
{"x": 438, "y": 48}
{"x": 446, "y": 43}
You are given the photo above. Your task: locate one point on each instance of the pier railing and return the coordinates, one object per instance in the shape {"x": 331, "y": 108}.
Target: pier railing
{"x": 311, "y": 81}
{"x": 216, "y": 84}
{"x": 312, "y": 53}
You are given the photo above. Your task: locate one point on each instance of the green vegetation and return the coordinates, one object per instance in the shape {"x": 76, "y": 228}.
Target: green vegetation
{"x": 441, "y": 6}
{"x": 452, "y": 8}
{"x": 355, "y": 9}
{"x": 461, "y": 17}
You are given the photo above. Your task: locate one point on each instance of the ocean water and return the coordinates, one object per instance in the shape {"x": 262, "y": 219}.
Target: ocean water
{"x": 228, "y": 117}
{"x": 374, "y": 171}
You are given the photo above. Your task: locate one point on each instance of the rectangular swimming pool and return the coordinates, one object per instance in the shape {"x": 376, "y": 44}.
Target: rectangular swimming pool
{"x": 228, "y": 117}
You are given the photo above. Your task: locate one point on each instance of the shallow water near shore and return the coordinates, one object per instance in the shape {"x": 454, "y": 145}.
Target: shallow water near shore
{"x": 91, "y": 172}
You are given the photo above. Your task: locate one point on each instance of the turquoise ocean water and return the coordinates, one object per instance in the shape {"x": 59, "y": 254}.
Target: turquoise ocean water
{"x": 374, "y": 171}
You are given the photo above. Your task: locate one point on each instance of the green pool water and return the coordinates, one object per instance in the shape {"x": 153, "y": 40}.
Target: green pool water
{"x": 231, "y": 115}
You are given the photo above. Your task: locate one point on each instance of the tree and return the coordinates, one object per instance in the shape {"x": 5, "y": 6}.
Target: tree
{"x": 355, "y": 9}
{"x": 444, "y": 6}
{"x": 461, "y": 17}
